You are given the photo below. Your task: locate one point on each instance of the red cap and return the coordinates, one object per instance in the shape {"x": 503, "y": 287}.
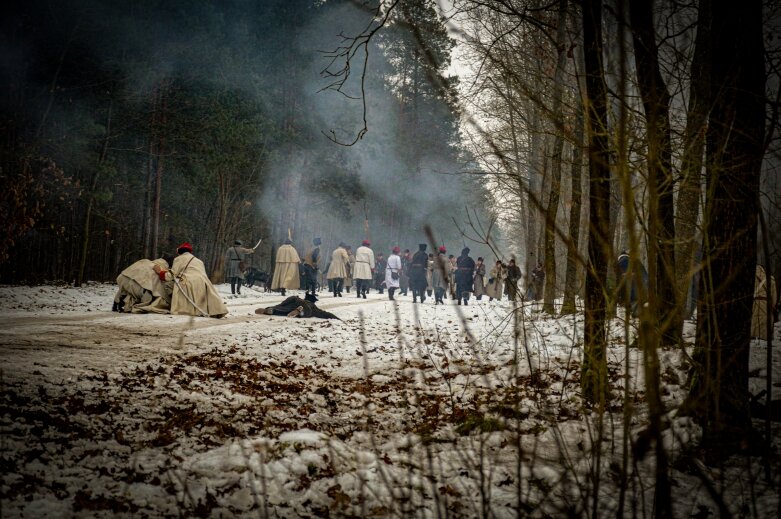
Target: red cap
{"x": 186, "y": 245}
{"x": 396, "y": 249}
{"x": 366, "y": 243}
{"x": 442, "y": 249}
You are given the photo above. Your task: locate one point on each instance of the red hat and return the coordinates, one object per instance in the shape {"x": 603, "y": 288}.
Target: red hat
{"x": 442, "y": 249}
{"x": 366, "y": 243}
{"x": 396, "y": 249}
{"x": 186, "y": 246}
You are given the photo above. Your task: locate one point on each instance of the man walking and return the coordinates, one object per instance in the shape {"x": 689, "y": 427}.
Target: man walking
{"x": 393, "y": 272}
{"x": 440, "y": 277}
{"x": 379, "y": 273}
{"x": 339, "y": 269}
{"x": 235, "y": 259}
{"x": 417, "y": 274}
{"x": 465, "y": 273}
{"x": 312, "y": 266}
{"x": 286, "y": 275}
{"x": 364, "y": 268}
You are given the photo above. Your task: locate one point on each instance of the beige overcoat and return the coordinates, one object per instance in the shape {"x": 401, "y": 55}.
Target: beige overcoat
{"x": 759, "y": 311}
{"x": 339, "y": 268}
{"x": 364, "y": 263}
{"x": 496, "y": 289}
{"x": 139, "y": 284}
{"x": 286, "y": 273}
{"x": 193, "y": 283}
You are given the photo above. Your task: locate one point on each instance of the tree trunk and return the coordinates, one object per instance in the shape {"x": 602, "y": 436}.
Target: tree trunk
{"x": 594, "y": 370}
{"x": 571, "y": 281}
{"x": 661, "y": 219}
{"x": 159, "y": 153}
{"x": 91, "y": 197}
{"x": 719, "y": 396}
{"x": 558, "y": 148}
{"x": 688, "y": 205}
{"x": 661, "y": 267}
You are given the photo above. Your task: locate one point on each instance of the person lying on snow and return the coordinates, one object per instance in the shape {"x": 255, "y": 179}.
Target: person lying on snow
{"x": 296, "y": 307}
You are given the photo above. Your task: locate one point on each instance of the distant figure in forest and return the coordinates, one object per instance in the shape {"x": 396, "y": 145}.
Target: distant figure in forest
{"x": 430, "y": 275}
{"x": 312, "y": 266}
{"x": 417, "y": 274}
{"x": 627, "y": 288}
{"x": 393, "y": 272}
{"x": 364, "y": 268}
{"x": 440, "y": 277}
{"x": 348, "y": 280}
{"x": 761, "y": 302}
{"x": 339, "y": 269}
{"x": 479, "y": 280}
{"x": 138, "y": 285}
{"x": 235, "y": 265}
{"x": 512, "y": 276}
{"x": 286, "y": 274}
{"x": 193, "y": 293}
{"x": 465, "y": 273}
{"x": 406, "y": 259}
{"x": 379, "y": 273}
{"x": 495, "y": 287}
{"x": 535, "y": 290}
{"x": 296, "y": 307}
{"x": 451, "y": 272}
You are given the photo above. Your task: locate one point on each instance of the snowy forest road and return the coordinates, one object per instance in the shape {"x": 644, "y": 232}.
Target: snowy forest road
{"x": 45, "y": 343}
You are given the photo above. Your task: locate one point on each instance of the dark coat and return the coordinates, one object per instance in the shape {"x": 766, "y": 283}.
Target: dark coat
{"x": 417, "y": 271}
{"x": 465, "y": 272}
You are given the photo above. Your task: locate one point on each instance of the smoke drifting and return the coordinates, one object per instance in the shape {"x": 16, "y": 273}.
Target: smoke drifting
{"x": 225, "y": 101}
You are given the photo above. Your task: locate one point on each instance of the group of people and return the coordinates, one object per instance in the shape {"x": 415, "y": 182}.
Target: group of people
{"x": 177, "y": 285}
{"x": 424, "y": 274}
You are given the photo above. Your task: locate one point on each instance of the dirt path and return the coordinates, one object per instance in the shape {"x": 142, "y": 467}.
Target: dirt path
{"x": 48, "y": 345}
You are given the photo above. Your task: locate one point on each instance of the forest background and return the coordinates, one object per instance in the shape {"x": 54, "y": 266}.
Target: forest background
{"x": 129, "y": 129}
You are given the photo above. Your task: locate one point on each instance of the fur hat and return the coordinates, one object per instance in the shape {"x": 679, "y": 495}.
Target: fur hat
{"x": 366, "y": 243}
{"x": 422, "y": 246}
{"x": 238, "y": 242}
{"x": 185, "y": 247}
{"x": 465, "y": 251}
{"x": 317, "y": 241}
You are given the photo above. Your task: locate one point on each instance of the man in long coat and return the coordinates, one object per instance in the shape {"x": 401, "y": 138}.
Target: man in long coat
{"x": 234, "y": 261}
{"x": 348, "y": 280}
{"x": 417, "y": 274}
{"x": 139, "y": 285}
{"x": 379, "y": 273}
{"x": 495, "y": 287}
{"x": 286, "y": 273}
{"x": 393, "y": 272}
{"x": 193, "y": 293}
{"x": 364, "y": 268}
{"x": 339, "y": 269}
{"x": 404, "y": 274}
{"x": 312, "y": 265}
{"x": 440, "y": 278}
{"x": 761, "y": 302}
{"x": 465, "y": 273}
{"x": 430, "y": 275}
{"x": 512, "y": 277}
{"x": 479, "y": 281}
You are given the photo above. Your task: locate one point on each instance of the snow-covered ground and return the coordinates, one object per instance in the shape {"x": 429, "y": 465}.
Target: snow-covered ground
{"x": 396, "y": 410}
